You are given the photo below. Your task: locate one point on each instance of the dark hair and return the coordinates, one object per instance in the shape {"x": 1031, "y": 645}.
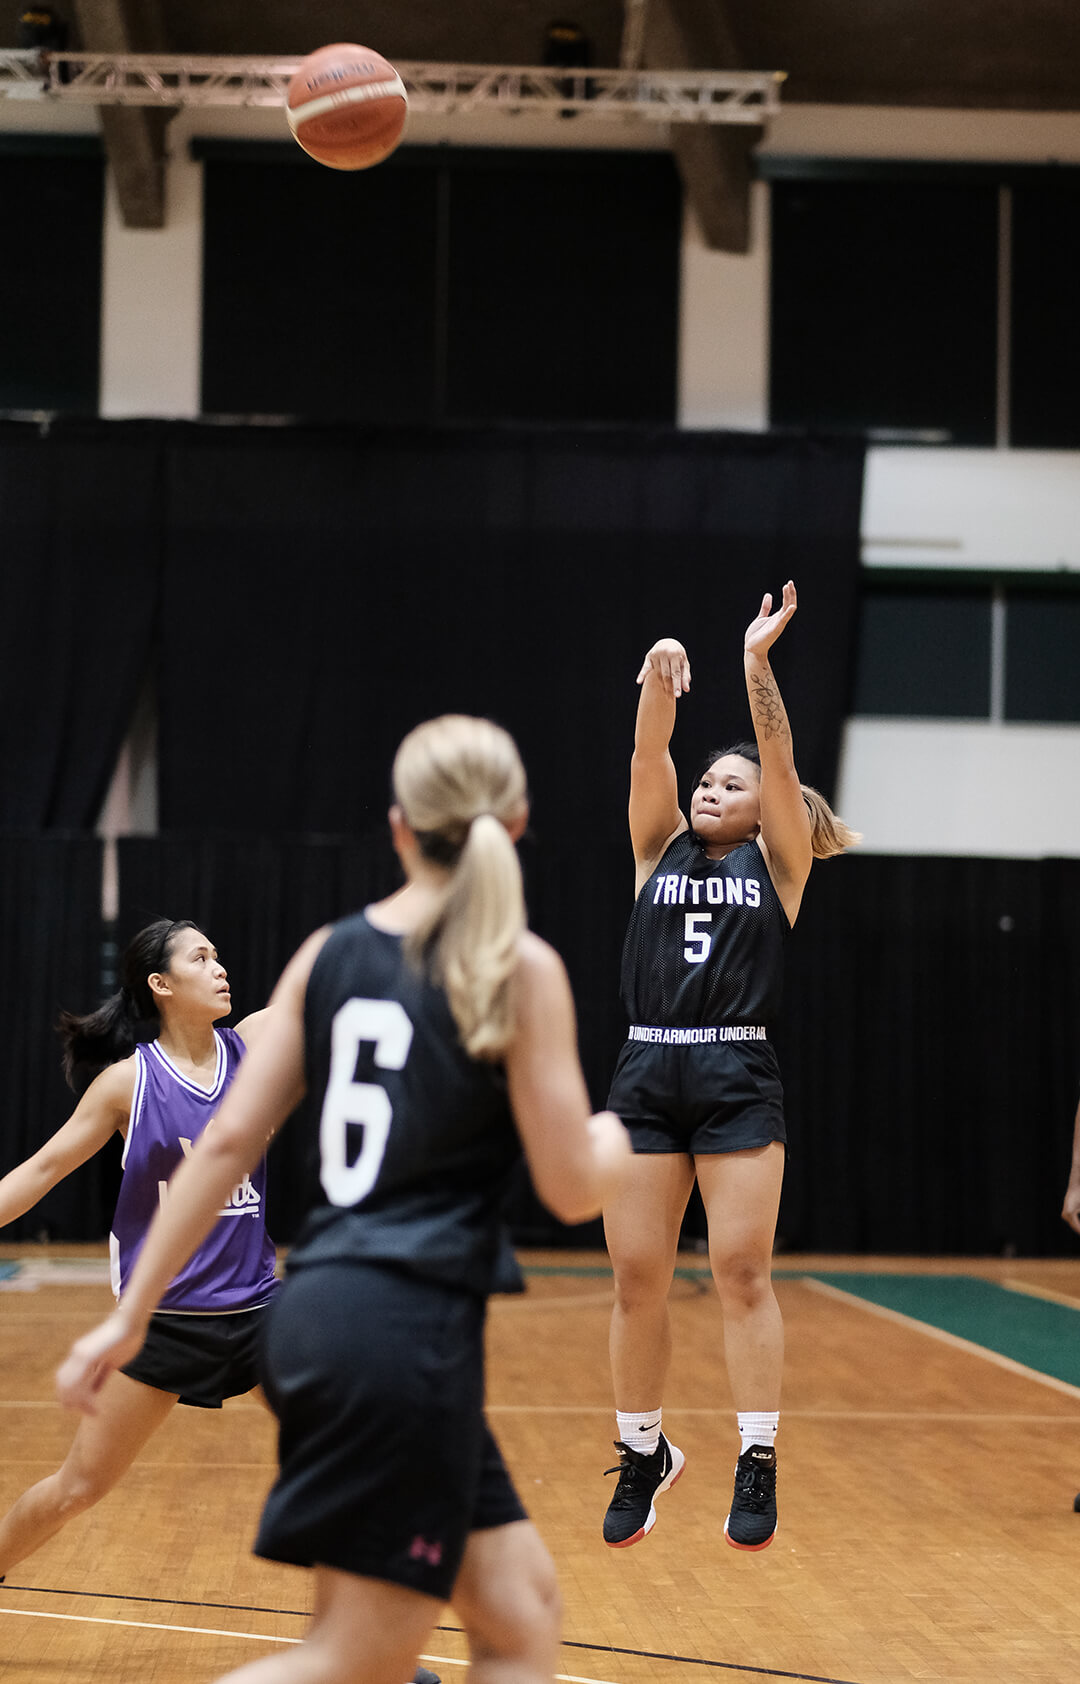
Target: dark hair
{"x": 829, "y": 835}
{"x": 98, "y": 1039}
{"x": 747, "y": 751}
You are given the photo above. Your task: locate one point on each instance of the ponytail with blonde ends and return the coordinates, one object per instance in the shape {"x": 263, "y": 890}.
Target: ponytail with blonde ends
{"x": 829, "y": 835}
{"x": 460, "y": 782}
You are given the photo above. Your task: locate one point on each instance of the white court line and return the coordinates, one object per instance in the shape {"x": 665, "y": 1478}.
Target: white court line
{"x": 504, "y": 1306}
{"x": 789, "y": 1415}
{"x": 1070, "y": 1300}
{"x": 244, "y": 1636}
{"x": 145, "y": 1625}
{"x": 944, "y": 1338}
{"x": 1018, "y": 1417}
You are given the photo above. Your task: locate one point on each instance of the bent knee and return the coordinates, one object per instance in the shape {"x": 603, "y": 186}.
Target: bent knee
{"x": 515, "y": 1615}
{"x": 78, "y": 1492}
{"x": 525, "y": 1625}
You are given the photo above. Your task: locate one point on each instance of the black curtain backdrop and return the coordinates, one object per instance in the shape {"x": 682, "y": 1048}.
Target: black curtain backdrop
{"x": 929, "y": 1043}
{"x": 931, "y": 1053}
{"x": 344, "y": 586}
{"x": 50, "y": 907}
{"x": 79, "y": 536}
{"x": 306, "y": 596}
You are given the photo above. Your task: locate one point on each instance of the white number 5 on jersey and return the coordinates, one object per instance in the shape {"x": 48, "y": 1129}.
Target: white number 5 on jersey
{"x": 385, "y": 1024}
{"x": 698, "y": 941}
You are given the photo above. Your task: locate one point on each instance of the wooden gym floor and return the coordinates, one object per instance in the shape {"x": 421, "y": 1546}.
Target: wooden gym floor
{"x": 929, "y": 1456}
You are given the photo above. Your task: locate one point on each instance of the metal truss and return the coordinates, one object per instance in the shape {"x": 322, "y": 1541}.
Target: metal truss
{"x": 445, "y": 90}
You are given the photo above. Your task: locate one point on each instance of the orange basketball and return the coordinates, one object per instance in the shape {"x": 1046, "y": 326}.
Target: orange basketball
{"x": 346, "y": 106}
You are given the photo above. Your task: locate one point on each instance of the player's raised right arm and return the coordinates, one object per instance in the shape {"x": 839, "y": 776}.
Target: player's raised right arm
{"x": 104, "y": 1108}
{"x": 655, "y": 816}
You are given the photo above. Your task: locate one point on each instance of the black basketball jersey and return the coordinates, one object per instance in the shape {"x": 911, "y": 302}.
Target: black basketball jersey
{"x": 705, "y": 941}
{"x": 415, "y": 1137}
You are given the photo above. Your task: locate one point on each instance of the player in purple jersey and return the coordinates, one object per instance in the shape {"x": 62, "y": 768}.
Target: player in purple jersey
{"x": 160, "y": 1096}
{"x": 696, "y": 1083}
{"x": 438, "y": 1033}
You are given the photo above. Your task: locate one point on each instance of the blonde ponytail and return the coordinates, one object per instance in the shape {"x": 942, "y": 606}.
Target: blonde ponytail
{"x": 829, "y": 835}
{"x": 460, "y": 782}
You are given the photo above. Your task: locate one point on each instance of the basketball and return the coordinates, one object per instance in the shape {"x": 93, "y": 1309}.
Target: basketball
{"x": 346, "y": 106}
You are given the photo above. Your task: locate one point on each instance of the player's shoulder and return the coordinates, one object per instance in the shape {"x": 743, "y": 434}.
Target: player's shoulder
{"x": 646, "y": 864}
{"x": 539, "y": 970}
{"x": 115, "y": 1085}
{"x": 534, "y": 954}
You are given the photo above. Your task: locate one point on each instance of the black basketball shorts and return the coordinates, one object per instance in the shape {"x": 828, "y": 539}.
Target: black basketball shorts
{"x": 386, "y": 1461}
{"x": 204, "y": 1359}
{"x": 699, "y": 1099}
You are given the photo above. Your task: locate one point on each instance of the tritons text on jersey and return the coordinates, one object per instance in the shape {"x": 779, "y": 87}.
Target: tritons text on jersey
{"x": 712, "y": 891}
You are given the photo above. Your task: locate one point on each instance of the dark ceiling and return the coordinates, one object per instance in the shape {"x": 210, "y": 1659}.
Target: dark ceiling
{"x": 964, "y": 54}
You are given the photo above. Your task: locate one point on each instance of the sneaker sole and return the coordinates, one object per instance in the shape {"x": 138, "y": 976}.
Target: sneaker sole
{"x": 678, "y": 1463}
{"x": 749, "y": 1547}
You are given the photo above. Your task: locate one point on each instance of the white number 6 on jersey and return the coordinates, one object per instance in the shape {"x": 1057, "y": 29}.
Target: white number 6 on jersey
{"x": 386, "y": 1025}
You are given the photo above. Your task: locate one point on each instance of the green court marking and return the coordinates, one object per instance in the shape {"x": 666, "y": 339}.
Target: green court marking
{"x": 1031, "y": 1331}
{"x": 1039, "y": 1335}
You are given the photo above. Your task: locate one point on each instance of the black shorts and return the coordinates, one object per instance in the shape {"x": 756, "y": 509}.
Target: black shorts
{"x": 721, "y": 1097}
{"x": 386, "y": 1461}
{"x": 203, "y": 1359}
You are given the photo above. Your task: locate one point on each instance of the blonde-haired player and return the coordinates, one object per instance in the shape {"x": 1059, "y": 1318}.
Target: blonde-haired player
{"x": 439, "y": 1035}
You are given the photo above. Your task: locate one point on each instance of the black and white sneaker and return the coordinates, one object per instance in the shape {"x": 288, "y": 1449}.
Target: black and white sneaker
{"x": 423, "y": 1676}
{"x": 751, "y": 1524}
{"x": 630, "y": 1514}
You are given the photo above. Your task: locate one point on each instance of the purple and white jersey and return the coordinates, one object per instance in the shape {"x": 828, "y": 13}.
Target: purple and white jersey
{"x": 233, "y": 1269}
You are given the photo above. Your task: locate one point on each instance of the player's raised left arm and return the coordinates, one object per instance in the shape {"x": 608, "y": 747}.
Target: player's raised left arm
{"x": 785, "y": 821}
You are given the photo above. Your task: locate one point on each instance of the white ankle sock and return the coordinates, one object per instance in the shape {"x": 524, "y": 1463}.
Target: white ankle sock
{"x": 758, "y": 1427}
{"x": 640, "y": 1432}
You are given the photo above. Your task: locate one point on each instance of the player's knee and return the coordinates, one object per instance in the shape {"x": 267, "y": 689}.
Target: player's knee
{"x": 743, "y": 1280}
{"x": 77, "y": 1491}
{"x": 546, "y": 1601}
{"x": 512, "y": 1608}
{"x": 526, "y": 1624}
{"x": 641, "y": 1282}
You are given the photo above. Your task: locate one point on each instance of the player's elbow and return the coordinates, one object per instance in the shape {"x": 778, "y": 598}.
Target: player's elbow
{"x": 571, "y": 1198}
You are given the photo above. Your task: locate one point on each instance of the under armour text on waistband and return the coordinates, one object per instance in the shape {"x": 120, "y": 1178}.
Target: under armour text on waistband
{"x": 707, "y": 1035}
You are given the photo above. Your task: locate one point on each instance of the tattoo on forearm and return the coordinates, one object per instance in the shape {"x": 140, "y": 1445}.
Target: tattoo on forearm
{"x": 766, "y": 706}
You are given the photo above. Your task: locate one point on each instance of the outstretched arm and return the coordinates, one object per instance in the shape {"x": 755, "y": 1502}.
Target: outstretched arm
{"x": 655, "y": 816}
{"x": 785, "y": 821}
{"x": 103, "y": 1108}
{"x": 269, "y": 1085}
{"x": 575, "y": 1160}
{"x": 1070, "y": 1210}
